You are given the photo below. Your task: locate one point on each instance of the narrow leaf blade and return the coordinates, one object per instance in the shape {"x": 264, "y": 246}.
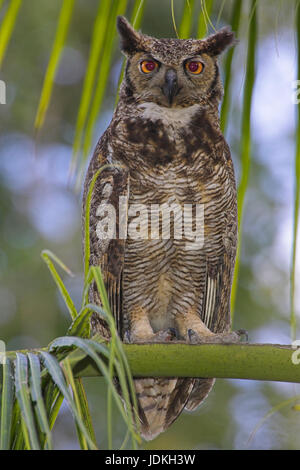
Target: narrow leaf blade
{"x": 60, "y": 37}
{"x": 23, "y": 397}
{"x": 6, "y": 405}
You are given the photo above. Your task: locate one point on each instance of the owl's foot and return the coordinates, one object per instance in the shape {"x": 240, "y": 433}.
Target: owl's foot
{"x": 162, "y": 336}
{"x": 221, "y": 338}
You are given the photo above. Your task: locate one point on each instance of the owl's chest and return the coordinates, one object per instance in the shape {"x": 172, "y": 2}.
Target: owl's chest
{"x": 169, "y": 184}
{"x": 172, "y": 203}
{"x": 142, "y": 141}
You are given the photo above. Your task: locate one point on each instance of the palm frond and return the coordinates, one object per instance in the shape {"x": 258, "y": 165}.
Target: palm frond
{"x": 137, "y": 13}
{"x": 56, "y": 373}
{"x": 293, "y": 321}
{"x": 118, "y": 8}
{"x": 23, "y": 396}
{"x": 7, "y": 26}
{"x": 204, "y": 18}
{"x": 59, "y": 41}
{"x": 187, "y": 19}
{"x": 7, "y": 400}
{"x": 235, "y": 24}
{"x": 173, "y": 18}
{"x": 37, "y": 398}
{"x": 246, "y": 137}
{"x": 98, "y": 40}
{"x": 47, "y": 255}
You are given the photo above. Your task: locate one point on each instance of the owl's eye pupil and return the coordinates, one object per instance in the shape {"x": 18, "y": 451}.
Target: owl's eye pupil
{"x": 194, "y": 66}
{"x": 148, "y": 66}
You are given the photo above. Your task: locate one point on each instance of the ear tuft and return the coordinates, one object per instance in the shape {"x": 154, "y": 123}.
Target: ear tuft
{"x": 130, "y": 39}
{"x": 218, "y": 42}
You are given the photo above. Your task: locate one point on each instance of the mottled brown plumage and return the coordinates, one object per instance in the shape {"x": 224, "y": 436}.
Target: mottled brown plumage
{"x": 164, "y": 146}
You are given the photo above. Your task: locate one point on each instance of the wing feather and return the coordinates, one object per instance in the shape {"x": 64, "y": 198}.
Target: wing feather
{"x": 106, "y": 219}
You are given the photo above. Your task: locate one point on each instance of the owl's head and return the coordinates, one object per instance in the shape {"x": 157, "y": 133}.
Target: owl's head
{"x": 172, "y": 72}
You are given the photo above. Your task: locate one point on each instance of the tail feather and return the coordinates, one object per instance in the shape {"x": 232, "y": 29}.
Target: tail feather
{"x": 160, "y": 400}
{"x": 200, "y": 390}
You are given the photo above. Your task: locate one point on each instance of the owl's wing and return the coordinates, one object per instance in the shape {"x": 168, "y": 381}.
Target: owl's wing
{"x": 106, "y": 188}
{"x": 216, "y": 300}
{"x": 215, "y": 312}
{"x": 220, "y": 261}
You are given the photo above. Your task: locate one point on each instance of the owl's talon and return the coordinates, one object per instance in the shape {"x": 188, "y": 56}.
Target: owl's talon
{"x": 174, "y": 332}
{"x": 164, "y": 336}
{"x": 126, "y": 338}
{"x": 193, "y": 337}
{"x": 221, "y": 338}
{"x": 243, "y": 334}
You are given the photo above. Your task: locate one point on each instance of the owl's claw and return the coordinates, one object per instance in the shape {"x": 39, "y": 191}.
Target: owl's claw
{"x": 162, "y": 336}
{"x": 221, "y": 338}
{"x": 243, "y": 334}
{"x": 126, "y": 338}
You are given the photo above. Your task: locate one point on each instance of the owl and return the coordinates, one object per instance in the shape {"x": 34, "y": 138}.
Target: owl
{"x": 163, "y": 217}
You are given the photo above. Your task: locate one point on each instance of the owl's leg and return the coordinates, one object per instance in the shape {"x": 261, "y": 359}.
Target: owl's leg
{"x": 192, "y": 328}
{"x": 141, "y": 330}
{"x": 190, "y": 320}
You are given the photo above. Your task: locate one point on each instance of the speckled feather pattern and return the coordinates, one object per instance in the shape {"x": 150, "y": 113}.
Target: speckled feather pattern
{"x": 164, "y": 156}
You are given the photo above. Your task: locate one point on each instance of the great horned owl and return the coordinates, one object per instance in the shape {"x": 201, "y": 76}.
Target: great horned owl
{"x": 164, "y": 158}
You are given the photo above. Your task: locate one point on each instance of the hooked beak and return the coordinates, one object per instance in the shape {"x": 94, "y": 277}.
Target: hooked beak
{"x": 170, "y": 88}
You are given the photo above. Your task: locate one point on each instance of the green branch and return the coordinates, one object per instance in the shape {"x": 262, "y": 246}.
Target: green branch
{"x": 270, "y": 362}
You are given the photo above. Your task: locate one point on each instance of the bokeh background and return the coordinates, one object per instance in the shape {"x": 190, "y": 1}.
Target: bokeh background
{"x": 39, "y": 208}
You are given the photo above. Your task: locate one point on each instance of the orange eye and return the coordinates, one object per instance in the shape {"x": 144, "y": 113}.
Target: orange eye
{"x": 194, "y": 66}
{"x": 148, "y": 66}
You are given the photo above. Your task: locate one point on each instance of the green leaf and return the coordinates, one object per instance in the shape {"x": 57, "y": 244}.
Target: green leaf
{"x": 81, "y": 325}
{"x": 71, "y": 342}
{"x": 7, "y": 26}
{"x": 59, "y": 42}
{"x": 204, "y": 18}
{"x": 46, "y": 256}
{"x": 80, "y": 410}
{"x": 124, "y": 387}
{"x": 98, "y": 39}
{"x": 118, "y": 8}
{"x": 17, "y": 438}
{"x": 245, "y": 138}
{"x": 23, "y": 397}
{"x": 55, "y": 371}
{"x": 86, "y": 415}
{"x": 97, "y": 275}
{"x": 293, "y": 318}
{"x": 57, "y": 400}
{"x": 235, "y": 24}
{"x": 37, "y": 397}
{"x": 93, "y": 349}
{"x": 7, "y": 401}
{"x": 137, "y": 13}
{"x": 187, "y": 19}
{"x": 124, "y": 372}
{"x": 174, "y": 19}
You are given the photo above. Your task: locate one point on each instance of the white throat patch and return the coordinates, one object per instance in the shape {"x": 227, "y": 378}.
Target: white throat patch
{"x": 170, "y": 116}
